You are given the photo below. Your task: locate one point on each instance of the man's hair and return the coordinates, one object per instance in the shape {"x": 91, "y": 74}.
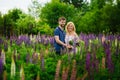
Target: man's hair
{"x": 61, "y": 18}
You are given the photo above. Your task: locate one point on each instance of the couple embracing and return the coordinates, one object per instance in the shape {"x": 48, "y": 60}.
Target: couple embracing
{"x": 63, "y": 38}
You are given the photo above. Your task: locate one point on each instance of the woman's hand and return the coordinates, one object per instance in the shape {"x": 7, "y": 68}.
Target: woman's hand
{"x": 70, "y": 47}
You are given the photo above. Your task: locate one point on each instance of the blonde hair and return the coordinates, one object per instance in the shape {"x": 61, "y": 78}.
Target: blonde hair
{"x": 68, "y": 24}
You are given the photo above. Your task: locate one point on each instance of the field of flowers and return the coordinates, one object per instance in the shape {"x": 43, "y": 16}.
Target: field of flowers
{"x": 33, "y": 58}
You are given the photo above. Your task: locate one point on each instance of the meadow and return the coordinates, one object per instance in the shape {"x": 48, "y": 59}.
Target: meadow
{"x": 32, "y": 57}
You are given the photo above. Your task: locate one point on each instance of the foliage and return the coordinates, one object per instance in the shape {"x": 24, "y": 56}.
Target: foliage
{"x": 53, "y": 10}
{"x": 44, "y": 28}
{"x": 98, "y": 19}
{"x": 111, "y": 18}
{"x": 76, "y": 3}
{"x": 25, "y": 24}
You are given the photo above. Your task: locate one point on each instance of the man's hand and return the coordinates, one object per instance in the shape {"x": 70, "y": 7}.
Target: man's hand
{"x": 69, "y": 47}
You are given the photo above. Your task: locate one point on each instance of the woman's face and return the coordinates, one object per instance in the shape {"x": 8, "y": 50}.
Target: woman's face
{"x": 70, "y": 28}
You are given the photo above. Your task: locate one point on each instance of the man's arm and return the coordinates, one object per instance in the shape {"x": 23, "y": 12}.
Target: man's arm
{"x": 60, "y": 42}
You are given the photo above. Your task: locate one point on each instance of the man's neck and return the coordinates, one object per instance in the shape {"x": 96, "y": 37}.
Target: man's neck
{"x": 61, "y": 28}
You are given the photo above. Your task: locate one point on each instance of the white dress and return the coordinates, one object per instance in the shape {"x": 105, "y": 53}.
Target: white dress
{"x": 69, "y": 38}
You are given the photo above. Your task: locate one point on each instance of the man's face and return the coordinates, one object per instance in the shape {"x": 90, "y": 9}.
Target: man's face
{"x": 62, "y": 23}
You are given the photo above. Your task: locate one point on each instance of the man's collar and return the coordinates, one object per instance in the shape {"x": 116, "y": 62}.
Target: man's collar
{"x": 61, "y": 28}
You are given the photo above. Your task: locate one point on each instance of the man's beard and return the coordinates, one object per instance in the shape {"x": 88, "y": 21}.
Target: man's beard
{"x": 62, "y": 25}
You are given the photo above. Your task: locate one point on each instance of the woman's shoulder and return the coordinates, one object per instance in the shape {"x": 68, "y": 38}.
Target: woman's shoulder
{"x": 75, "y": 34}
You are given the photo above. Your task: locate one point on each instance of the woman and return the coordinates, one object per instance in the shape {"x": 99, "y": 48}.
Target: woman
{"x": 71, "y": 38}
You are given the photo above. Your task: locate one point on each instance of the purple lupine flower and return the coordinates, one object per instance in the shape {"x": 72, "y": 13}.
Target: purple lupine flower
{"x": 27, "y": 40}
{"x": 42, "y": 63}
{"x": 31, "y": 60}
{"x": 1, "y": 66}
{"x": 34, "y": 58}
{"x": 46, "y": 42}
{"x": 0, "y": 51}
{"x": 109, "y": 62}
{"x": 18, "y": 56}
{"x": 52, "y": 41}
{"x": 5, "y": 46}
{"x": 118, "y": 37}
{"x": 74, "y": 50}
{"x": 95, "y": 63}
{"x": 18, "y": 42}
{"x": 42, "y": 60}
{"x": 88, "y": 63}
{"x": 1, "y": 40}
{"x": 27, "y": 57}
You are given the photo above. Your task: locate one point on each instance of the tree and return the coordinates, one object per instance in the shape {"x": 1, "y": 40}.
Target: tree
{"x": 97, "y": 4}
{"x": 53, "y": 10}
{"x": 25, "y": 24}
{"x": 76, "y": 3}
{"x": 1, "y": 24}
{"x": 10, "y": 20}
{"x": 111, "y": 17}
{"x": 34, "y": 9}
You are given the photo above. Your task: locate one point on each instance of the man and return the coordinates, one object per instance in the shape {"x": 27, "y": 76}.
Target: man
{"x": 59, "y": 35}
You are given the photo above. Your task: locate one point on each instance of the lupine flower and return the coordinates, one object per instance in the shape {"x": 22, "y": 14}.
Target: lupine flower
{"x": 65, "y": 73}
{"x": 74, "y": 50}
{"x": 103, "y": 39}
{"x": 3, "y": 57}
{"x": 13, "y": 68}
{"x": 0, "y": 40}
{"x": 57, "y": 70}
{"x": 52, "y": 41}
{"x": 42, "y": 61}
{"x": 0, "y": 51}
{"x": 117, "y": 47}
{"x": 27, "y": 57}
{"x": 5, "y": 45}
{"x": 38, "y": 76}
{"x": 109, "y": 63}
{"x": 103, "y": 62}
{"x": 84, "y": 76}
{"x": 74, "y": 71}
{"x": 22, "y": 74}
{"x": 90, "y": 44}
{"x": 95, "y": 63}
{"x": 81, "y": 50}
{"x": 1, "y": 66}
{"x": 33, "y": 58}
{"x": 18, "y": 56}
{"x": 5, "y": 75}
{"x": 88, "y": 63}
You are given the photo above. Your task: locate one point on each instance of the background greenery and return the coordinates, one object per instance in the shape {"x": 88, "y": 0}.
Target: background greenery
{"x": 95, "y": 16}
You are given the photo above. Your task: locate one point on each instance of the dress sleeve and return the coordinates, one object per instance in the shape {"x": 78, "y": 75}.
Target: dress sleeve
{"x": 76, "y": 38}
{"x": 66, "y": 39}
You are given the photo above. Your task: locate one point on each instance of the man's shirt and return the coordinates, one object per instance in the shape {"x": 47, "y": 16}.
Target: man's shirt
{"x": 59, "y": 32}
